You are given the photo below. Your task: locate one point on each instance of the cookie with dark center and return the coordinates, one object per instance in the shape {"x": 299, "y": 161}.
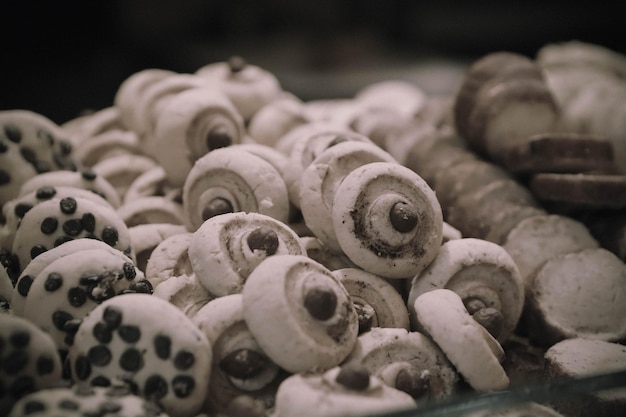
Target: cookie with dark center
{"x": 29, "y": 360}
{"x": 167, "y": 361}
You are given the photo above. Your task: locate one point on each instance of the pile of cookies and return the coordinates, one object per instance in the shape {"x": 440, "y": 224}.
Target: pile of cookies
{"x": 212, "y": 245}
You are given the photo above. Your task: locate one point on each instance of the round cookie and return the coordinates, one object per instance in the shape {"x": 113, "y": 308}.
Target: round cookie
{"x": 91, "y": 123}
{"x": 29, "y": 359}
{"x": 473, "y": 351}
{"x": 276, "y": 118}
{"x": 322, "y": 177}
{"x": 70, "y": 287}
{"x": 121, "y": 170}
{"x": 169, "y": 259}
{"x": 193, "y": 123}
{"x": 226, "y": 249}
{"x": 81, "y": 400}
{"x": 58, "y": 220}
{"x": 228, "y": 180}
{"x": 387, "y": 220}
{"x": 239, "y": 366}
{"x": 145, "y": 238}
{"x": 185, "y": 292}
{"x": 152, "y": 182}
{"x": 105, "y": 145}
{"x": 486, "y": 278}
{"x": 376, "y": 301}
{"x": 346, "y": 391}
{"x": 407, "y": 361}
{"x": 166, "y": 360}
{"x": 151, "y": 210}
{"x": 299, "y": 312}
{"x": 577, "y": 295}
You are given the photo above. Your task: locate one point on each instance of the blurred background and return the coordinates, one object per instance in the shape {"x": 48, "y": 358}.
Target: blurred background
{"x": 62, "y": 57}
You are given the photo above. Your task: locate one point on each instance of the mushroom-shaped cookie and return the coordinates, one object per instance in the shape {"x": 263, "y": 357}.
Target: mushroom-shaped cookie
{"x": 408, "y": 361}
{"x": 376, "y": 301}
{"x": 300, "y": 313}
{"x": 30, "y": 144}
{"x": 276, "y": 118}
{"x": 82, "y": 400}
{"x": 226, "y": 249}
{"x": 387, "y": 220}
{"x": 121, "y": 170}
{"x": 170, "y": 258}
{"x": 240, "y": 366}
{"x": 193, "y": 123}
{"x": 152, "y": 210}
{"x": 229, "y": 180}
{"x": 468, "y": 345}
{"x": 105, "y": 145}
{"x": 185, "y": 292}
{"x": 29, "y": 359}
{"x": 70, "y": 287}
{"x": 343, "y": 391}
{"x": 149, "y": 344}
{"x": 486, "y": 278}
{"x": 322, "y": 177}
{"x": 577, "y": 294}
{"x": 153, "y": 182}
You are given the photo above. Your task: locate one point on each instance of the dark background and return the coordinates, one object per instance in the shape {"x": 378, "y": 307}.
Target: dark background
{"x": 61, "y": 57}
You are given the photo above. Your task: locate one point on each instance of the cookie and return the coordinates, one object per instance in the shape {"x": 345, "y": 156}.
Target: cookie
{"x": 226, "y": 249}
{"x": 193, "y": 123}
{"x": 153, "y": 182}
{"x": 408, "y": 361}
{"x": 184, "y": 292}
{"x": 30, "y": 361}
{"x": 6, "y": 291}
{"x": 341, "y": 391}
{"x": 300, "y": 313}
{"x": 92, "y": 123}
{"x": 322, "y": 177}
{"x": 405, "y": 97}
{"x": 170, "y": 258}
{"x": 474, "y": 352}
{"x": 105, "y": 145}
{"x": 276, "y": 118}
{"x": 145, "y": 238}
{"x": 484, "y": 276}
{"x": 83, "y": 400}
{"x": 376, "y": 121}
{"x": 239, "y": 366}
{"x": 316, "y": 250}
{"x": 538, "y": 239}
{"x": 387, "y": 220}
{"x": 150, "y": 210}
{"x": 166, "y": 361}
{"x": 376, "y": 301}
{"x": 579, "y": 357}
{"x": 576, "y": 295}
{"x": 121, "y": 170}
{"x": 68, "y": 288}
{"x": 227, "y": 180}
{"x": 58, "y": 220}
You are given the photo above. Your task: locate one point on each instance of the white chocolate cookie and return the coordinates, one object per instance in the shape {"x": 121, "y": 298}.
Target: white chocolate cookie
{"x": 226, "y": 249}
{"x": 166, "y": 360}
{"x": 300, "y": 313}
{"x": 467, "y": 344}
{"x": 387, "y": 220}
{"x": 486, "y": 278}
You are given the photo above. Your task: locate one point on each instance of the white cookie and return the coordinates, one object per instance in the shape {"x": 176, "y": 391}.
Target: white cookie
{"x": 276, "y": 118}
{"x": 170, "y": 258}
{"x": 105, "y": 145}
{"x": 145, "y": 238}
{"x": 121, "y": 170}
{"x": 153, "y": 182}
{"x": 185, "y": 292}
{"x": 151, "y": 210}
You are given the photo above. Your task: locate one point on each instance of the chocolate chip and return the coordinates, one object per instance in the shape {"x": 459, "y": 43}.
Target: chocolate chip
{"x": 5, "y": 178}
{"x": 73, "y": 227}
{"x": 129, "y": 271}
{"x": 162, "y": 346}
{"x": 218, "y": 137}
{"x": 491, "y": 319}
{"x": 110, "y": 235}
{"x": 53, "y": 282}
{"x": 142, "y": 286}
{"x": 61, "y": 240}
{"x": 49, "y": 225}
{"x": 23, "y": 285}
{"x": 34, "y": 406}
{"x": 14, "y": 362}
{"x": 3, "y": 147}
{"x": 353, "y": 376}
{"x": 131, "y": 360}
{"x": 82, "y": 367}
{"x": 403, "y": 217}
{"x": 99, "y": 355}
{"x": 43, "y": 134}
{"x": 65, "y": 147}
{"x": 59, "y": 318}
{"x": 183, "y": 386}
{"x": 101, "y": 381}
{"x": 216, "y": 207}
{"x": 83, "y": 389}
{"x": 414, "y": 382}
{"x": 71, "y": 326}
{"x": 243, "y": 363}
{"x": 320, "y": 303}
{"x": 68, "y": 205}
{"x": 37, "y": 250}
{"x": 184, "y": 360}
{"x": 28, "y": 154}
{"x": 42, "y": 166}
{"x": 13, "y": 132}
{"x": 21, "y": 209}
{"x": 88, "y": 222}
{"x": 45, "y": 365}
{"x": 45, "y": 193}
{"x": 155, "y": 387}
{"x": 102, "y": 332}
{"x": 119, "y": 391}
{"x": 67, "y": 404}
{"x": 76, "y": 296}
{"x": 112, "y": 316}
{"x": 263, "y": 239}
{"x": 129, "y": 333}
{"x": 89, "y": 174}
{"x": 19, "y": 339}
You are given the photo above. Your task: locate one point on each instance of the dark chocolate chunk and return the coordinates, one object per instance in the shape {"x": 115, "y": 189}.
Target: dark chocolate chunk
{"x": 24, "y": 284}
{"x": 162, "y": 346}
{"x": 53, "y": 282}
{"x": 155, "y": 387}
{"x": 59, "y": 318}
{"x": 184, "y": 360}
{"x": 14, "y": 362}
{"x": 42, "y": 166}
{"x": 28, "y": 154}
{"x": 68, "y": 205}
{"x": 45, "y": 193}
{"x": 21, "y": 209}
{"x": 102, "y": 332}
{"x": 45, "y": 365}
{"x": 88, "y": 222}
{"x": 183, "y": 385}
{"x": 89, "y": 174}
{"x": 5, "y": 177}
{"x": 37, "y": 250}
{"x": 22, "y": 386}
{"x": 110, "y": 235}
{"x": 13, "y": 132}
{"x": 131, "y": 360}
{"x": 112, "y": 317}
{"x": 67, "y": 404}
{"x": 129, "y": 333}
{"x": 19, "y": 339}
{"x": 49, "y": 225}
{"x": 99, "y": 355}
{"x": 73, "y": 227}
{"x": 76, "y": 296}
{"x": 142, "y": 286}
{"x": 101, "y": 381}
{"x": 82, "y": 367}
{"x": 34, "y": 406}
{"x": 320, "y": 303}
{"x": 129, "y": 271}
{"x": 264, "y": 239}
{"x": 61, "y": 240}
{"x": 3, "y": 147}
